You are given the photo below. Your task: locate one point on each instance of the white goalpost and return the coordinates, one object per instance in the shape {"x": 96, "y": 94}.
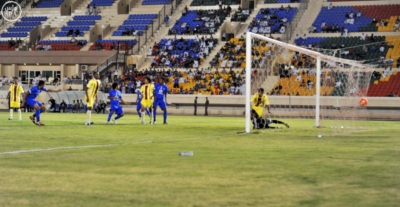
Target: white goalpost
{"x": 358, "y": 82}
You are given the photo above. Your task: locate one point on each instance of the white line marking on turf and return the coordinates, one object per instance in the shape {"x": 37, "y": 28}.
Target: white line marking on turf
{"x": 104, "y": 145}
{"x": 70, "y": 147}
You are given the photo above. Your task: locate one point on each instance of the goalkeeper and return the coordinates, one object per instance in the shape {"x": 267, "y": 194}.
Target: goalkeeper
{"x": 258, "y": 102}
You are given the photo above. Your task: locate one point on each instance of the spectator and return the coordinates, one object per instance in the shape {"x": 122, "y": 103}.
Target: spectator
{"x": 88, "y": 9}
{"x": 63, "y": 106}
{"x": 330, "y": 6}
{"x": 115, "y": 75}
{"x": 52, "y": 103}
{"x": 398, "y": 63}
{"x": 102, "y": 107}
{"x": 34, "y": 4}
{"x": 396, "y": 26}
{"x": 362, "y": 37}
{"x": 166, "y": 20}
{"x": 81, "y": 105}
{"x": 94, "y": 9}
{"x": 77, "y": 33}
{"x": 390, "y": 94}
{"x": 74, "y": 106}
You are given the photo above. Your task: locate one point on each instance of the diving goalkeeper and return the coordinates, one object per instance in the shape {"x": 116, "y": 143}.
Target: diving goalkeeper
{"x": 259, "y": 101}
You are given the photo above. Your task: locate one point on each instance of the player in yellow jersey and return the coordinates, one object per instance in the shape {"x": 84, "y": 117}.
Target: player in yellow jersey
{"x": 91, "y": 91}
{"x": 14, "y": 95}
{"x": 259, "y": 101}
{"x": 147, "y": 91}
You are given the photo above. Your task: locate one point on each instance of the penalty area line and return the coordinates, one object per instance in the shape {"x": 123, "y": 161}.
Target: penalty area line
{"x": 71, "y": 147}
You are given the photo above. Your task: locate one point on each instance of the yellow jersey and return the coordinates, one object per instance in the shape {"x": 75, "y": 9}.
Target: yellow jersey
{"x": 147, "y": 91}
{"x": 93, "y": 87}
{"x": 15, "y": 92}
{"x": 259, "y": 101}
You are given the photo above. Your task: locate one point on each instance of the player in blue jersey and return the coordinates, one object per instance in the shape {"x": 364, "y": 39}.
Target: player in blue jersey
{"x": 161, "y": 91}
{"x": 139, "y": 104}
{"x": 30, "y": 100}
{"x": 115, "y": 97}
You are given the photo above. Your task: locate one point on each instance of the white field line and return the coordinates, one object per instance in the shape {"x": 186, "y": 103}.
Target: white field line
{"x": 97, "y": 146}
{"x": 70, "y": 147}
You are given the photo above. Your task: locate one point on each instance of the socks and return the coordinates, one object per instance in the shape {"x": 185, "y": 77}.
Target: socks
{"x": 147, "y": 111}
{"x": 140, "y": 114}
{"x": 88, "y": 116}
{"x": 19, "y": 113}
{"x": 118, "y": 117}
{"x": 11, "y": 113}
{"x": 154, "y": 114}
{"x": 37, "y": 115}
{"x": 165, "y": 116}
{"x": 109, "y": 117}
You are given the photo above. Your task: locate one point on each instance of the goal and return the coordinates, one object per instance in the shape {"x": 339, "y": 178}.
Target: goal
{"x": 306, "y": 84}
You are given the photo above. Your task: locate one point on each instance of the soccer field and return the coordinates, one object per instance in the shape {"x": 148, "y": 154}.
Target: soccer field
{"x": 67, "y": 163}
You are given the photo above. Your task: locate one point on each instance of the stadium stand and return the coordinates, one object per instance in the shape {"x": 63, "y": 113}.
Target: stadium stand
{"x": 272, "y": 20}
{"x": 182, "y": 52}
{"x": 358, "y": 18}
{"x": 240, "y": 15}
{"x": 7, "y": 46}
{"x": 213, "y": 2}
{"x": 280, "y": 1}
{"x": 199, "y": 22}
{"x": 59, "y": 45}
{"x": 135, "y": 25}
{"x": 113, "y": 44}
{"x": 49, "y": 3}
{"x": 101, "y": 2}
{"x": 75, "y": 26}
{"x": 350, "y": 47}
{"x": 233, "y": 54}
{"x": 386, "y": 83}
{"x": 155, "y": 2}
{"x": 21, "y": 28}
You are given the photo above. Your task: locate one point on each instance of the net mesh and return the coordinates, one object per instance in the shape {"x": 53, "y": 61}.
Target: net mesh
{"x": 290, "y": 79}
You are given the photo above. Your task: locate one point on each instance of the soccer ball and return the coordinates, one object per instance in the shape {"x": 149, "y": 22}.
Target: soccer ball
{"x": 363, "y": 101}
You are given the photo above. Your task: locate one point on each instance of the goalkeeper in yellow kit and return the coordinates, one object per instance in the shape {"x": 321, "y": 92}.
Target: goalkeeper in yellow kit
{"x": 259, "y": 101}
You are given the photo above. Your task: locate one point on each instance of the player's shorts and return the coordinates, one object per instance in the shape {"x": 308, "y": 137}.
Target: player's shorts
{"x": 258, "y": 111}
{"x": 15, "y": 104}
{"x": 32, "y": 102}
{"x": 139, "y": 105}
{"x": 117, "y": 110}
{"x": 160, "y": 103}
{"x": 147, "y": 103}
{"x": 90, "y": 103}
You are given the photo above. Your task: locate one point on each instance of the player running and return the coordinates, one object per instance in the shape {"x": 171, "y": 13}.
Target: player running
{"x": 161, "y": 91}
{"x": 14, "y": 95}
{"x": 91, "y": 95}
{"x": 147, "y": 91}
{"x": 30, "y": 100}
{"x": 139, "y": 104}
{"x": 115, "y": 97}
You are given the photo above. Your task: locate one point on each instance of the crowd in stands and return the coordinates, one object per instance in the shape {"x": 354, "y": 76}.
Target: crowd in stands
{"x": 181, "y": 52}
{"x": 47, "y": 45}
{"x": 189, "y": 81}
{"x": 91, "y": 9}
{"x": 240, "y": 15}
{"x": 272, "y": 20}
{"x": 233, "y": 53}
{"x": 200, "y": 21}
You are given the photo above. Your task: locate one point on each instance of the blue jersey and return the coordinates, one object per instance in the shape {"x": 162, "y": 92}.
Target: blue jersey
{"x": 34, "y": 92}
{"x": 161, "y": 90}
{"x": 139, "y": 95}
{"x": 115, "y": 96}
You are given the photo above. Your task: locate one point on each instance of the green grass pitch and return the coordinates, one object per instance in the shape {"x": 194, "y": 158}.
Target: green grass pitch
{"x": 138, "y": 165}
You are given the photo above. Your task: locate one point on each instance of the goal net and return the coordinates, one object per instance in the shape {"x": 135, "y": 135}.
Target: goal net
{"x": 306, "y": 88}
